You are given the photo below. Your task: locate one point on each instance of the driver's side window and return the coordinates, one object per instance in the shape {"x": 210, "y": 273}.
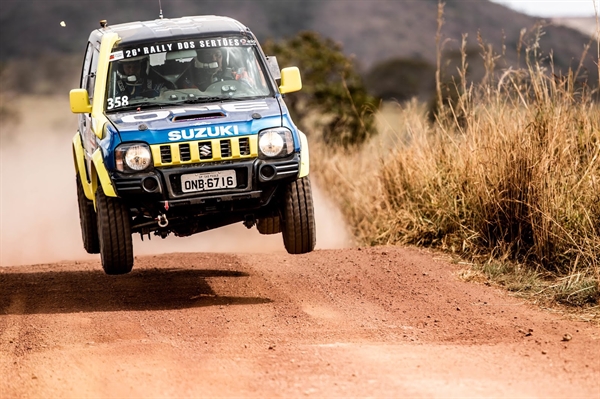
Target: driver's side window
{"x": 92, "y": 76}
{"x": 87, "y": 63}
{"x": 88, "y": 73}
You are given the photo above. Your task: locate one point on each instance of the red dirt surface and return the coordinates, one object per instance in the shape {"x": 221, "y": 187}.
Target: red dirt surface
{"x": 376, "y": 322}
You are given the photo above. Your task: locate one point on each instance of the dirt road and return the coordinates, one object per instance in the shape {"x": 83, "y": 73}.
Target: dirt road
{"x": 376, "y": 322}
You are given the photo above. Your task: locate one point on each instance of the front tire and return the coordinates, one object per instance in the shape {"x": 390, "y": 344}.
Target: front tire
{"x": 87, "y": 220}
{"x": 298, "y": 224}
{"x": 114, "y": 233}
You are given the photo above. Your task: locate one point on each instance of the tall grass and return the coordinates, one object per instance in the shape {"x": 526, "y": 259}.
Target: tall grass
{"x": 509, "y": 171}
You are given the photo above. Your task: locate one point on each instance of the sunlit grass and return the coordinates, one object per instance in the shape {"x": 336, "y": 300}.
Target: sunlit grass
{"x": 508, "y": 174}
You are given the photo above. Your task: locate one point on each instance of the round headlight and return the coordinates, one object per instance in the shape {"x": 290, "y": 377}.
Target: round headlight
{"x": 137, "y": 157}
{"x": 271, "y": 143}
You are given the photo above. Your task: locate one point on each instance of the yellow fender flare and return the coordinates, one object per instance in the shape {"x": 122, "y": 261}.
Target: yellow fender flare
{"x": 304, "y": 156}
{"x": 102, "y": 173}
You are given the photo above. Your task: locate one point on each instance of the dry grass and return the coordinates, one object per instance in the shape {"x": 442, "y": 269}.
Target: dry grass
{"x": 508, "y": 177}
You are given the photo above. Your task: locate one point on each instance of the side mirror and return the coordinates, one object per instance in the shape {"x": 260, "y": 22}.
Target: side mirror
{"x": 80, "y": 101}
{"x": 290, "y": 80}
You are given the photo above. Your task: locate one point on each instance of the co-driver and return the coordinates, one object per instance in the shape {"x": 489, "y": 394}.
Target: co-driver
{"x": 209, "y": 68}
{"x": 134, "y": 80}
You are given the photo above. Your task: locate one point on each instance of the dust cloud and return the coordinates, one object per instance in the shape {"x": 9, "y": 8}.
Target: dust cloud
{"x": 39, "y": 220}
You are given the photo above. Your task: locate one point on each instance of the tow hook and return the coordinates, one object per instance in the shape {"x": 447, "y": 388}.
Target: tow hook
{"x": 162, "y": 220}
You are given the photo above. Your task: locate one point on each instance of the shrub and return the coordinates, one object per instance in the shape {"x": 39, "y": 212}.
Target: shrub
{"x": 333, "y": 91}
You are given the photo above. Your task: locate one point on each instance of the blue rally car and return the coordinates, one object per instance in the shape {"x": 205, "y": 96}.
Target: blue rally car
{"x": 182, "y": 129}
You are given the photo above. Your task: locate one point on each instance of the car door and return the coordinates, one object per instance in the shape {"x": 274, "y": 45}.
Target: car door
{"x": 88, "y": 80}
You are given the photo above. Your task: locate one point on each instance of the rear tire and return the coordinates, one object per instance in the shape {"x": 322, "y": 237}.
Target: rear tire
{"x": 269, "y": 225}
{"x": 298, "y": 227}
{"x": 87, "y": 220}
{"x": 114, "y": 233}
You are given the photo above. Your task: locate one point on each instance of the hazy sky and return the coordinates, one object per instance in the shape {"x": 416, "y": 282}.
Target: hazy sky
{"x": 553, "y": 8}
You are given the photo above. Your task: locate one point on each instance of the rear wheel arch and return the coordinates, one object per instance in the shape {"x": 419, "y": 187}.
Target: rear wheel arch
{"x": 86, "y": 177}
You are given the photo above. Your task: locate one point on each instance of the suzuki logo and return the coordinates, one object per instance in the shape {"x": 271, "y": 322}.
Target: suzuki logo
{"x": 205, "y": 150}
{"x": 203, "y": 132}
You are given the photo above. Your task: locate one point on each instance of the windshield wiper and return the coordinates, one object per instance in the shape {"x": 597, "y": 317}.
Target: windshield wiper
{"x": 246, "y": 98}
{"x": 144, "y": 104}
{"x": 199, "y": 100}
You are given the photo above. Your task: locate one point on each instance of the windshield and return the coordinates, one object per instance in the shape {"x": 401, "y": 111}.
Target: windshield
{"x": 188, "y": 71}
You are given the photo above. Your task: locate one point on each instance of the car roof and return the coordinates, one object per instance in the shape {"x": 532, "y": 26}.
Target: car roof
{"x": 175, "y": 28}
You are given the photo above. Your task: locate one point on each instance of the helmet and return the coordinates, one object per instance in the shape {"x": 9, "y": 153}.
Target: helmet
{"x": 132, "y": 69}
{"x": 208, "y": 58}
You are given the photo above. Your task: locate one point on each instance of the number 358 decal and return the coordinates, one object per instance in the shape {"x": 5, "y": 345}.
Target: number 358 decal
{"x": 117, "y": 102}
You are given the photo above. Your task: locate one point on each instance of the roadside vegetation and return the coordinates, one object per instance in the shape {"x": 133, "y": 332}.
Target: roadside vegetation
{"x": 503, "y": 174}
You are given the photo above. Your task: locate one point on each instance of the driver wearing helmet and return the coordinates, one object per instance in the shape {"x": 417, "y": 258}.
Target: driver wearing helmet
{"x": 134, "y": 81}
{"x": 209, "y": 68}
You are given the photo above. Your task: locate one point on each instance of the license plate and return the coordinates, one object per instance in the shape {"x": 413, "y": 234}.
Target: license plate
{"x": 208, "y": 181}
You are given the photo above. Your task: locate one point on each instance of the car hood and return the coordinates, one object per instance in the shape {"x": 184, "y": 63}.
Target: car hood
{"x": 197, "y": 122}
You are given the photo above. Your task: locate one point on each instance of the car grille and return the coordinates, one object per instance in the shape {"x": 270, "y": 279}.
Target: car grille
{"x": 205, "y": 151}
{"x": 165, "y": 153}
{"x": 184, "y": 153}
{"x": 225, "y": 148}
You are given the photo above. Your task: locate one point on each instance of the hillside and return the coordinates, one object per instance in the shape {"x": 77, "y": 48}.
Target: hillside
{"x": 586, "y": 25}
{"x": 387, "y": 29}
{"x": 372, "y": 30}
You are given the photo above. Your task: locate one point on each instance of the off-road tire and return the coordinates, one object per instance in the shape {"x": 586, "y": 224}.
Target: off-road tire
{"x": 298, "y": 224}
{"x": 114, "y": 233}
{"x": 87, "y": 220}
{"x": 269, "y": 225}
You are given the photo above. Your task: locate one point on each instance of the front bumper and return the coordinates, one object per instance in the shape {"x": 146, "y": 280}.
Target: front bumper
{"x": 256, "y": 179}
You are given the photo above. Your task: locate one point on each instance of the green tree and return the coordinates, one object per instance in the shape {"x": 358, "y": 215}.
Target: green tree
{"x": 332, "y": 88}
